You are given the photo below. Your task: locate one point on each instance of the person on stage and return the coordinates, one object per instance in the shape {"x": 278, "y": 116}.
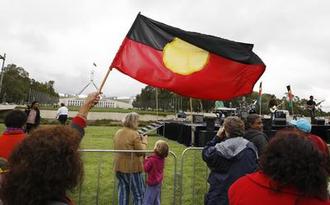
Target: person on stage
{"x": 272, "y": 105}
{"x": 311, "y": 104}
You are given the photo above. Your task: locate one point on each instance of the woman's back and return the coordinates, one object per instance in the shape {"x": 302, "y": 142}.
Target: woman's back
{"x": 128, "y": 139}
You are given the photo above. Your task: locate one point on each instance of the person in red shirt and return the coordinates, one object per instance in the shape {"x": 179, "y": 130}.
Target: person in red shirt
{"x": 154, "y": 166}
{"x": 293, "y": 171}
{"x": 14, "y": 133}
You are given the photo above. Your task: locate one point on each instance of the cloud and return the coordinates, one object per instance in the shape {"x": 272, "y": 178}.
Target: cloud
{"x": 59, "y": 40}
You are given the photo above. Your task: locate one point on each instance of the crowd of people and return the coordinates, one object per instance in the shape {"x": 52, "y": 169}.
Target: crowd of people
{"x": 246, "y": 167}
{"x": 42, "y": 166}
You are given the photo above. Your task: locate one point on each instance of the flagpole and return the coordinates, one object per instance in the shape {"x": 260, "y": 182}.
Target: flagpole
{"x": 260, "y": 97}
{"x": 191, "y": 109}
{"x": 260, "y": 105}
{"x": 192, "y": 127}
{"x": 104, "y": 79}
{"x": 292, "y": 108}
{"x": 3, "y": 58}
{"x": 157, "y": 103}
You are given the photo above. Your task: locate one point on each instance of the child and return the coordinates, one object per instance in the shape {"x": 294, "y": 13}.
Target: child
{"x": 154, "y": 166}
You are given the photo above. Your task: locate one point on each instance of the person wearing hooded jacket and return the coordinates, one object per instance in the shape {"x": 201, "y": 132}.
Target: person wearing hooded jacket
{"x": 228, "y": 156}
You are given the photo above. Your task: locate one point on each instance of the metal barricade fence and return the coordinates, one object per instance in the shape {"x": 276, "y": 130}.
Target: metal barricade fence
{"x": 198, "y": 181}
{"x": 104, "y": 168}
{"x": 192, "y": 177}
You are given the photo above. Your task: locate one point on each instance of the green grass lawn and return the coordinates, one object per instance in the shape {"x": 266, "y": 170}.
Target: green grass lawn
{"x": 100, "y": 137}
{"x": 99, "y": 185}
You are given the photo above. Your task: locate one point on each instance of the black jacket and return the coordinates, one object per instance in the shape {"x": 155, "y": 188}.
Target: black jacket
{"x": 258, "y": 138}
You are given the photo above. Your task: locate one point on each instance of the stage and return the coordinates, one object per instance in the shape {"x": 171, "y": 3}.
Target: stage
{"x": 181, "y": 131}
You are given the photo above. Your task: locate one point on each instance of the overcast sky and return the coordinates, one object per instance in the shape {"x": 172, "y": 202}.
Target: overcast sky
{"x": 59, "y": 40}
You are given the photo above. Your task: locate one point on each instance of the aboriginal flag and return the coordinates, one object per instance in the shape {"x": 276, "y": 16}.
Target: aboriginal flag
{"x": 188, "y": 63}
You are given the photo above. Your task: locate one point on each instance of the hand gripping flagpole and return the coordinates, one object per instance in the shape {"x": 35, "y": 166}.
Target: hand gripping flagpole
{"x": 104, "y": 79}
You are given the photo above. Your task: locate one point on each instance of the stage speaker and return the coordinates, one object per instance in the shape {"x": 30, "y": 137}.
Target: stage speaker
{"x": 198, "y": 118}
{"x": 205, "y": 136}
{"x": 210, "y": 123}
{"x": 280, "y": 114}
{"x": 279, "y": 121}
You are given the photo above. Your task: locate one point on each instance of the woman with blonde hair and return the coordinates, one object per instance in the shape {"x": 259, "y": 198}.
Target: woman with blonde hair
{"x": 129, "y": 166}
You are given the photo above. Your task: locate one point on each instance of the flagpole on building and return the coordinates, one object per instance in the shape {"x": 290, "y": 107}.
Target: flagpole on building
{"x": 104, "y": 79}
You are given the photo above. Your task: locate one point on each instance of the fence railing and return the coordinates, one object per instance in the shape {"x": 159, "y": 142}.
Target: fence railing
{"x": 99, "y": 181}
{"x": 197, "y": 197}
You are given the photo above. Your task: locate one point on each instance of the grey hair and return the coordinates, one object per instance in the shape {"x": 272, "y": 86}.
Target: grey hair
{"x": 234, "y": 126}
{"x": 131, "y": 120}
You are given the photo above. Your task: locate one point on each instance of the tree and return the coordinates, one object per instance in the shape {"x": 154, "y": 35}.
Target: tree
{"x": 19, "y": 88}
{"x": 169, "y": 101}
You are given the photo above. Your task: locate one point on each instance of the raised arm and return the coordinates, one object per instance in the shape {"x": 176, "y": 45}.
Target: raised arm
{"x": 79, "y": 121}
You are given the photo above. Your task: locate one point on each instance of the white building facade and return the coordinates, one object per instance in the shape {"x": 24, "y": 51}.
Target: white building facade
{"x": 103, "y": 103}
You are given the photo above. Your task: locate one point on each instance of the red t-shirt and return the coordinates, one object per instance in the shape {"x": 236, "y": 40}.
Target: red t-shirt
{"x": 256, "y": 189}
{"x": 9, "y": 140}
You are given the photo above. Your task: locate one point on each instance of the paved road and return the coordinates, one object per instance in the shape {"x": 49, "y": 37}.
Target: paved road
{"x": 51, "y": 114}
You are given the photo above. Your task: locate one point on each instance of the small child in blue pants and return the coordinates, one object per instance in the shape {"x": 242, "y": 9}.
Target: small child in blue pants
{"x": 154, "y": 167}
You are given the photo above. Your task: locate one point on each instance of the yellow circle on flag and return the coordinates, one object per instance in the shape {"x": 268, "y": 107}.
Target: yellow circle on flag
{"x": 184, "y": 58}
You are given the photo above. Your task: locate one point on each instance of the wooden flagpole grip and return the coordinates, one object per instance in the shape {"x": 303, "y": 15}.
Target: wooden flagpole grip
{"x": 104, "y": 79}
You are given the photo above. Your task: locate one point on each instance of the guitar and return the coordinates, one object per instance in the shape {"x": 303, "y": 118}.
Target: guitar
{"x": 312, "y": 107}
{"x": 274, "y": 108}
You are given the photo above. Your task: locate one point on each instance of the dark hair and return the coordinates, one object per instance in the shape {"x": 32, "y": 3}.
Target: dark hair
{"x": 291, "y": 159}
{"x": 251, "y": 118}
{"x": 15, "y": 119}
{"x": 32, "y": 105}
{"x": 43, "y": 167}
{"x": 62, "y": 104}
{"x": 234, "y": 126}
{"x": 34, "y": 102}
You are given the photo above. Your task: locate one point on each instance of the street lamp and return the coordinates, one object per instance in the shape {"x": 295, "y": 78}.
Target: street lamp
{"x": 3, "y": 58}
